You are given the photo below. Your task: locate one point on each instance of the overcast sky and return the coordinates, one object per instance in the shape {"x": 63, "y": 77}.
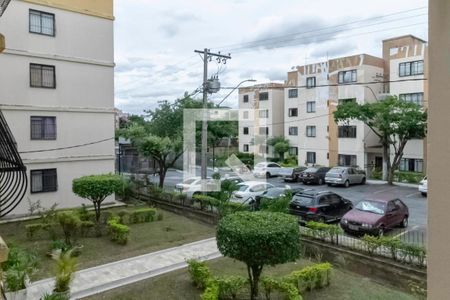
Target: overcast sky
{"x": 155, "y": 40}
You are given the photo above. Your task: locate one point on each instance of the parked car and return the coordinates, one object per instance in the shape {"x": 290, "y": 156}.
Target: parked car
{"x": 423, "y": 186}
{"x": 345, "y": 176}
{"x": 277, "y": 192}
{"x": 314, "y": 175}
{"x": 192, "y": 186}
{"x": 248, "y": 190}
{"x": 267, "y": 169}
{"x": 319, "y": 206}
{"x": 292, "y": 174}
{"x": 375, "y": 216}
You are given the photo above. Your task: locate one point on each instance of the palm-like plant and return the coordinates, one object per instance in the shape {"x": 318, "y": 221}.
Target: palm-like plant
{"x": 66, "y": 266}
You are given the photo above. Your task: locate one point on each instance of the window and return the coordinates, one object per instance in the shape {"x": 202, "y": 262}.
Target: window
{"x": 310, "y": 131}
{"x": 245, "y": 98}
{"x": 245, "y": 147}
{"x": 310, "y": 82}
{"x": 263, "y": 149}
{"x": 347, "y": 160}
{"x": 411, "y": 165}
{"x": 293, "y": 112}
{"x": 347, "y": 131}
{"x": 263, "y": 96}
{"x": 293, "y": 130}
{"x": 43, "y": 180}
{"x": 245, "y": 130}
{"x": 42, "y": 76}
{"x": 410, "y": 68}
{"x": 293, "y": 151}
{"x": 293, "y": 93}
{"x": 311, "y": 157}
{"x": 42, "y": 23}
{"x": 264, "y": 130}
{"x": 43, "y": 128}
{"x": 347, "y": 76}
{"x": 245, "y": 115}
{"x": 344, "y": 101}
{"x": 416, "y": 98}
{"x": 264, "y": 113}
{"x": 311, "y": 106}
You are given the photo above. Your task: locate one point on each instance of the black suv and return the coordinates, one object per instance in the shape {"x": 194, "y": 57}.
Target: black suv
{"x": 314, "y": 175}
{"x": 324, "y": 206}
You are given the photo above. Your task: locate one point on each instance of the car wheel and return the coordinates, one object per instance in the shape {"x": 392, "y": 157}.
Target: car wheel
{"x": 267, "y": 175}
{"x": 363, "y": 181}
{"x": 380, "y": 232}
{"x": 347, "y": 184}
{"x": 424, "y": 194}
{"x": 320, "y": 181}
{"x": 404, "y": 223}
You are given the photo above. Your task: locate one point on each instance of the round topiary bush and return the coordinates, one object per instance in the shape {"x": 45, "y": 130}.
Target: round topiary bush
{"x": 259, "y": 239}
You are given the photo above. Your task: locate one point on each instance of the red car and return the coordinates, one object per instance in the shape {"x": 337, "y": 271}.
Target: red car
{"x": 375, "y": 216}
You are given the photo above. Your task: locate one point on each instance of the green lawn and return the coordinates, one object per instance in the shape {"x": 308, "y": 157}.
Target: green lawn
{"x": 178, "y": 286}
{"x": 173, "y": 230}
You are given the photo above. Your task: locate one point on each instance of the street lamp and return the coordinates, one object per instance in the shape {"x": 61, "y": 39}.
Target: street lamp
{"x": 247, "y": 80}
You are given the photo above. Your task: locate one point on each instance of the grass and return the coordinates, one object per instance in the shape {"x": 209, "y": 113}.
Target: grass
{"x": 173, "y": 230}
{"x": 178, "y": 286}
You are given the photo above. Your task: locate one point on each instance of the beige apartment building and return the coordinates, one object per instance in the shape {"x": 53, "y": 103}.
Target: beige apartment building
{"x": 57, "y": 93}
{"x": 261, "y": 117}
{"x": 312, "y": 93}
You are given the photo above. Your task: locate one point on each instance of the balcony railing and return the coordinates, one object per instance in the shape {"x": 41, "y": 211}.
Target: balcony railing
{"x": 3, "y": 5}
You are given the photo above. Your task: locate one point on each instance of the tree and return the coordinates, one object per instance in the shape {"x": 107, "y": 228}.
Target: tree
{"x": 259, "y": 239}
{"x": 280, "y": 145}
{"x": 96, "y": 188}
{"x": 395, "y": 122}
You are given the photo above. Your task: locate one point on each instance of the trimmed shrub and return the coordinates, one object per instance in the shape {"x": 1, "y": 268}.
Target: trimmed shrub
{"x": 288, "y": 289}
{"x": 205, "y": 202}
{"x": 199, "y": 272}
{"x": 312, "y": 277}
{"x": 229, "y": 286}
{"x": 105, "y": 217}
{"x": 119, "y": 233}
{"x": 211, "y": 292}
{"x": 32, "y": 229}
{"x": 70, "y": 223}
{"x": 323, "y": 231}
{"x": 125, "y": 217}
{"x": 86, "y": 227}
{"x": 143, "y": 215}
{"x": 371, "y": 243}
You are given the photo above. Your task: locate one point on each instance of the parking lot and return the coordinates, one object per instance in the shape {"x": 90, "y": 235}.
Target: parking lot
{"x": 417, "y": 204}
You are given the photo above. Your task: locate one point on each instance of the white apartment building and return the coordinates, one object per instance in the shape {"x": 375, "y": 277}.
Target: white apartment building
{"x": 261, "y": 117}
{"x": 57, "y": 93}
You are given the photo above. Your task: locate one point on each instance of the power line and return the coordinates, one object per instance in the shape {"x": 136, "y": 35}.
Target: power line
{"x": 69, "y": 147}
{"x": 323, "y": 28}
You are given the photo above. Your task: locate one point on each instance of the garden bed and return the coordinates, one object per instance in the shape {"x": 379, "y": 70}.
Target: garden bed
{"x": 173, "y": 230}
{"x": 178, "y": 285}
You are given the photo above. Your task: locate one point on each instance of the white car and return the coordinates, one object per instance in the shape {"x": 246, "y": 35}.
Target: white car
{"x": 423, "y": 186}
{"x": 248, "y": 190}
{"x": 192, "y": 186}
{"x": 267, "y": 169}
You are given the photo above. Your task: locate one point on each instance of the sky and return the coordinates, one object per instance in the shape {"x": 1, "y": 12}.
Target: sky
{"x": 155, "y": 41}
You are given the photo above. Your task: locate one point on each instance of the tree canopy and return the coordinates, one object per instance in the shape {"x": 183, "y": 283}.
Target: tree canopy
{"x": 259, "y": 239}
{"x": 395, "y": 122}
{"x": 280, "y": 145}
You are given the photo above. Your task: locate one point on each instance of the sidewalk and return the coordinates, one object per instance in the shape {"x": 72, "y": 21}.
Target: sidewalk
{"x": 119, "y": 273}
{"x": 411, "y": 185}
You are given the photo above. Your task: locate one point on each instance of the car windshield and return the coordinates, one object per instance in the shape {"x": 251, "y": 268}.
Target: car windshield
{"x": 311, "y": 170}
{"x": 371, "y": 206}
{"x": 337, "y": 170}
{"x": 242, "y": 188}
{"x": 303, "y": 200}
{"x": 190, "y": 180}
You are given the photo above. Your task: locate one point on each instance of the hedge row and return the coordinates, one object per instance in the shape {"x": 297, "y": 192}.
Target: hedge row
{"x": 323, "y": 231}
{"x": 220, "y": 207}
{"x": 119, "y": 233}
{"x": 227, "y": 287}
{"x": 399, "y": 250}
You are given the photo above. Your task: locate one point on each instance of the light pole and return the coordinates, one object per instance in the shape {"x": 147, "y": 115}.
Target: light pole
{"x": 240, "y": 83}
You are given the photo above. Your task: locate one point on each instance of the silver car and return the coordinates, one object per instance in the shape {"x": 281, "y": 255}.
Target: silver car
{"x": 345, "y": 176}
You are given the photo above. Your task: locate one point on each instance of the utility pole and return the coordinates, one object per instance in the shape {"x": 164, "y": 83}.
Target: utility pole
{"x": 207, "y": 56}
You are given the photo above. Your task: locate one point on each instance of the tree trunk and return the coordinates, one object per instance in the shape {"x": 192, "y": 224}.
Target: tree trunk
{"x": 254, "y": 272}
{"x": 386, "y": 161}
{"x": 162, "y": 174}
{"x": 98, "y": 230}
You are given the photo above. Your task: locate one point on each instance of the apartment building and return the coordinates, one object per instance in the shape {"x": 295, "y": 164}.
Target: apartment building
{"x": 57, "y": 93}
{"x": 405, "y": 67}
{"x": 312, "y": 94}
{"x": 261, "y": 117}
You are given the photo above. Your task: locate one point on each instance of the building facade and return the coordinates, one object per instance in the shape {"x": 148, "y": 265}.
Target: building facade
{"x": 261, "y": 117}
{"x": 57, "y": 93}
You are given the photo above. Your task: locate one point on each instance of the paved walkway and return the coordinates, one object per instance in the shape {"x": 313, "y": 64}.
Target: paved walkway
{"x": 119, "y": 273}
